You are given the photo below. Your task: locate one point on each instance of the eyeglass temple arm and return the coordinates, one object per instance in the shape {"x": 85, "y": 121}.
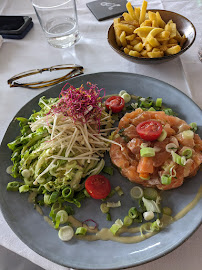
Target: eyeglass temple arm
{"x": 77, "y": 70}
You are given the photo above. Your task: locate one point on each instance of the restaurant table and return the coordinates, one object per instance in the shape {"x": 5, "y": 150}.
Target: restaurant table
{"x": 93, "y": 52}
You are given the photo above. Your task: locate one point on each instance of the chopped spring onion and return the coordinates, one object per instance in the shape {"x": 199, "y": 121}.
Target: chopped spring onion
{"x": 127, "y": 221}
{"x": 193, "y": 126}
{"x": 9, "y": 169}
{"x": 136, "y": 192}
{"x": 133, "y": 213}
{"x": 108, "y": 218}
{"x": 116, "y": 226}
{"x": 62, "y": 216}
{"x": 54, "y": 196}
{"x": 119, "y": 190}
{"x": 26, "y": 173}
{"x": 150, "y": 193}
{"x": 81, "y": 231}
{"x": 122, "y": 92}
{"x": 145, "y": 227}
{"x": 147, "y": 152}
{"x": 55, "y": 208}
{"x": 167, "y": 211}
{"x": 187, "y": 153}
{"x": 24, "y": 188}
{"x": 178, "y": 159}
{"x": 166, "y": 179}
{"x": 109, "y": 170}
{"x": 147, "y": 103}
{"x": 104, "y": 208}
{"x": 155, "y": 226}
{"x": 86, "y": 193}
{"x": 47, "y": 199}
{"x": 183, "y": 160}
{"x": 159, "y": 102}
{"x": 171, "y": 147}
{"x": 134, "y": 105}
{"x": 188, "y": 134}
{"x": 152, "y": 109}
{"x": 150, "y": 227}
{"x": 66, "y": 233}
{"x": 149, "y": 215}
{"x": 151, "y": 205}
{"x": 113, "y": 204}
{"x": 162, "y": 136}
{"x": 67, "y": 192}
{"x": 126, "y": 97}
{"x": 13, "y": 186}
{"x": 168, "y": 111}
{"x": 49, "y": 186}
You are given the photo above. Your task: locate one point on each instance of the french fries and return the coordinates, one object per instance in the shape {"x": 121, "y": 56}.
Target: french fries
{"x": 146, "y": 34}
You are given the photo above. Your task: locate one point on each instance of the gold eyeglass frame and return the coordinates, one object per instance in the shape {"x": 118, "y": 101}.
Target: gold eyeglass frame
{"x": 76, "y": 71}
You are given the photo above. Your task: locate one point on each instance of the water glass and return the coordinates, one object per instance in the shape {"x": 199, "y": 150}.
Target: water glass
{"x": 58, "y": 19}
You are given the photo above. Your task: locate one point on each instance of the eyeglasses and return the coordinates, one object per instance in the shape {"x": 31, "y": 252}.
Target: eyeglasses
{"x": 76, "y": 70}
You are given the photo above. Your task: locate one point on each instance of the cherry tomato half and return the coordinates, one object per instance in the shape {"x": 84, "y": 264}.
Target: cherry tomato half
{"x": 115, "y": 103}
{"x": 98, "y": 186}
{"x": 149, "y": 130}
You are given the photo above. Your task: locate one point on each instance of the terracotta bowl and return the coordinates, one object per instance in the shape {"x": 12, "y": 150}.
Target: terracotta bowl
{"x": 184, "y": 26}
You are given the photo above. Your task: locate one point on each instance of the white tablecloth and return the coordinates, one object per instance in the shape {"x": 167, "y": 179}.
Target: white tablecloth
{"x": 94, "y": 53}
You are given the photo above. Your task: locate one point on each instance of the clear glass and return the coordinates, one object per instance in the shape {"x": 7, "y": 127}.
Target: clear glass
{"x": 59, "y": 21}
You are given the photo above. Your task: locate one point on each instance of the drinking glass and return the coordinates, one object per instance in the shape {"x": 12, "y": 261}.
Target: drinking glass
{"x": 59, "y": 21}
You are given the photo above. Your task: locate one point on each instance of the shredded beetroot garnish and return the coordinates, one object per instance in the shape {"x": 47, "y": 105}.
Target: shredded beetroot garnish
{"x": 87, "y": 221}
{"x": 79, "y": 103}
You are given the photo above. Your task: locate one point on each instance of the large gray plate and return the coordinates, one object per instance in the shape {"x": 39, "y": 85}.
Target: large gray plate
{"x": 39, "y": 236}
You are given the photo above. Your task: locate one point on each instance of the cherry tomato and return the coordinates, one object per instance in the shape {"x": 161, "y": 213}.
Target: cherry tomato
{"x": 149, "y": 130}
{"x": 115, "y": 103}
{"x": 98, "y": 186}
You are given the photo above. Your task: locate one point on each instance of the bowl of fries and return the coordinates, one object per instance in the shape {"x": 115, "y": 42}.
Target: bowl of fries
{"x": 150, "y": 36}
